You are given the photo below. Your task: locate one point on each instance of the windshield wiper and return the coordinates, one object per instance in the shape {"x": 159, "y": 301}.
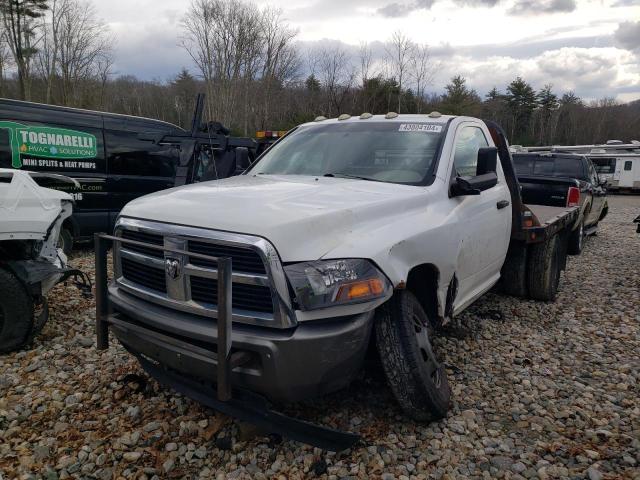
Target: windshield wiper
{"x": 346, "y": 175}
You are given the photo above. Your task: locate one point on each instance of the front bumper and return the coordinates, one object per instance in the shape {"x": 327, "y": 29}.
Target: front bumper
{"x": 305, "y": 361}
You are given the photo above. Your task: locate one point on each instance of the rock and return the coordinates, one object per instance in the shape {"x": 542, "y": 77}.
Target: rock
{"x": 594, "y": 474}
{"x": 151, "y": 426}
{"x": 171, "y": 447}
{"x": 41, "y": 452}
{"x": 501, "y": 463}
{"x": 85, "y": 342}
{"x": 132, "y": 456}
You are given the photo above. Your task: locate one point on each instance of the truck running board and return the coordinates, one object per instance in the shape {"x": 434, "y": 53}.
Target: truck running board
{"x": 255, "y": 409}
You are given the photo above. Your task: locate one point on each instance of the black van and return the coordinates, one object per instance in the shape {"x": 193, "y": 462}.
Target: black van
{"x": 115, "y": 158}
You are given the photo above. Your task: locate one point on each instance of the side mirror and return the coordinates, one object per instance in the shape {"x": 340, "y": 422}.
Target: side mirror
{"x": 474, "y": 185}
{"x": 242, "y": 158}
{"x": 487, "y": 160}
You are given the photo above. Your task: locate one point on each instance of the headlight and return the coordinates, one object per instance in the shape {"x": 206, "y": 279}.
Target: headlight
{"x": 336, "y": 282}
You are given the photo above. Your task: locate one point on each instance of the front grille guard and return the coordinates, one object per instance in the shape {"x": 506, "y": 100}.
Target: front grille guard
{"x": 224, "y": 315}
{"x": 248, "y": 406}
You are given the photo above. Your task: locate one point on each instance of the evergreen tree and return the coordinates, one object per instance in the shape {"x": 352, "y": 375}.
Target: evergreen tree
{"x": 548, "y": 102}
{"x": 521, "y": 101}
{"x": 570, "y": 98}
{"x": 459, "y": 99}
{"x": 312, "y": 83}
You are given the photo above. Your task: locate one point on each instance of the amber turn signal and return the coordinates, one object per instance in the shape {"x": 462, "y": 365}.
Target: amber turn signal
{"x": 362, "y": 289}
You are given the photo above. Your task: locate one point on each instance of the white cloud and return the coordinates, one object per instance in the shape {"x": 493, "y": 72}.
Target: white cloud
{"x": 591, "y": 72}
{"x": 478, "y": 38}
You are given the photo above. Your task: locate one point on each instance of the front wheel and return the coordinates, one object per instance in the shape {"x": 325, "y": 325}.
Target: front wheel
{"x": 404, "y": 337}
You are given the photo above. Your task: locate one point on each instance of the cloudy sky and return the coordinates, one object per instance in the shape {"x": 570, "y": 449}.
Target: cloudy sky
{"x": 589, "y": 46}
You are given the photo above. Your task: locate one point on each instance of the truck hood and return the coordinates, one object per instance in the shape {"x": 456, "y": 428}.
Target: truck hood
{"x": 305, "y": 217}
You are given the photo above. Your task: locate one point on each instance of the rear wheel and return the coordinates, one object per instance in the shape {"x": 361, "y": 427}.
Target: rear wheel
{"x": 404, "y": 336}
{"x": 16, "y": 312}
{"x": 545, "y": 265}
{"x": 576, "y": 240}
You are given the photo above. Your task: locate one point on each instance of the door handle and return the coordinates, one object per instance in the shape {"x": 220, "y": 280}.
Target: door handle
{"x": 502, "y": 204}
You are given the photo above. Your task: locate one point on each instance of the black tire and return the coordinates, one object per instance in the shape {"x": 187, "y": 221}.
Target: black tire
{"x": 418, "y": 381}
{"x": 545, "y": 264}
{"x": 16, "y": 312}
{"x": 576, "y": 240}
{"x": 604, "y": 212}
{"x": 65, "y": 241}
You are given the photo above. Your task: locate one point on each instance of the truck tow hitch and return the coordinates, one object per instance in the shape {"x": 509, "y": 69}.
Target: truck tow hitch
{"x": 239, "y": 403}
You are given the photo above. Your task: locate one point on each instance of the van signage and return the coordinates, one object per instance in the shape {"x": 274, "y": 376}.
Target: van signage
{"x": 51, "y": 143}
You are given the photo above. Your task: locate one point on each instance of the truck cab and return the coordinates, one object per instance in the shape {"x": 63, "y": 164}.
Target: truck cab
{"x": 377, "y": 228}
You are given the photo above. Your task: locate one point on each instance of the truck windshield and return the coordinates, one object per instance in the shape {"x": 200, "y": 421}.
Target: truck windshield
{"x": 548, "y": 166}
{"x": 386, "y": 152}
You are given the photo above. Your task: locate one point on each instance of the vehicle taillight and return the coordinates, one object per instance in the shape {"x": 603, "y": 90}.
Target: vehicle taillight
{"x": 573, "y": 197}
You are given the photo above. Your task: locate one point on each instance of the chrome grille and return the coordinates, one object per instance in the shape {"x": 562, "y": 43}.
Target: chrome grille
{"x": 259, "y": 292}
{"x": 244, "y": 260}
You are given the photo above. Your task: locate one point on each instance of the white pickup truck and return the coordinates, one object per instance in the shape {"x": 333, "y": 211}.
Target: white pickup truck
{"x": 346, "y": 231}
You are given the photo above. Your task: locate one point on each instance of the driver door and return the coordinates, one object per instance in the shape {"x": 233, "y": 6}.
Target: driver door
{"x": 485, "y": 220}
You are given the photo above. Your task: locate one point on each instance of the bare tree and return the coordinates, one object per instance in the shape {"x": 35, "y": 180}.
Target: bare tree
{"x": 48, "y": 53}
{"x": 280, "y": 57}
{"x": 422, "y": 71}
{"x": 239, "y": 49}
{"x": 366, "y": 62}
{"x": 199, "y": 40}
{"x": 20, "y": 21}
{"x": 400, "y": 51}
{"x": 84, "y": 44}
{"x": 337, "y": 76}
{"x": 5, "y": 57}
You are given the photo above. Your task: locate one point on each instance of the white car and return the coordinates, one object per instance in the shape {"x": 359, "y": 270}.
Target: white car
{"x": 345, "y": 232}
{"x": 30, "y": 261}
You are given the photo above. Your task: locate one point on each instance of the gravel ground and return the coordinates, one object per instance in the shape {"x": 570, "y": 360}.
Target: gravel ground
{"x": 540, "y": 390}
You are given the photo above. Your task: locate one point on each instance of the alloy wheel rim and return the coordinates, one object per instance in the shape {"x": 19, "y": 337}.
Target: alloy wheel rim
{"x": 423, "y": 333}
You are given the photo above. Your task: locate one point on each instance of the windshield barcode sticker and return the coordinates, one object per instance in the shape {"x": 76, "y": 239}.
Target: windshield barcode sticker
{"x": 420, "y": 127}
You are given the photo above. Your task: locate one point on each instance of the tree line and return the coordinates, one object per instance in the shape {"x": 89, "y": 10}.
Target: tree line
{"x": 256, "y": 75}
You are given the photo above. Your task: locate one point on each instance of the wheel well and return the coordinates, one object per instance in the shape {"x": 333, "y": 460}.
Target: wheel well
{"x": 423, "y": 283}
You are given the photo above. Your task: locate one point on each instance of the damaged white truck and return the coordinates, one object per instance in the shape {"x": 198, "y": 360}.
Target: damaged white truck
{"x": 30, "y": 261}
{"x": 346, "y": 232}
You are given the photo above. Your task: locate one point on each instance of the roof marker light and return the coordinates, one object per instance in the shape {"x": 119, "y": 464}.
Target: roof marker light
{"x": 344, "y": 116}
{"x": 365, "y": 116}
{"x": 435, "y": 114}
{"x": 391, "y": 115}
{"x": 320, "y": 118}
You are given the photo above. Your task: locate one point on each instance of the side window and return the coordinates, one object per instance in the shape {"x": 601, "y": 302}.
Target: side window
{"x": 468, "y": 142}
{"x": 128, "y": 155}
{"x": 627, "y": 166}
